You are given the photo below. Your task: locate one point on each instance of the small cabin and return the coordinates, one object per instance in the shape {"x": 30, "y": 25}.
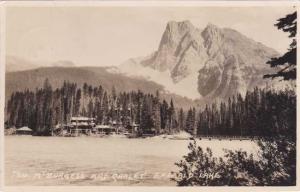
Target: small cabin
{"x": 105, "y": 129}
{"x": 149, "y": 132}
{"x": 133, "y": 128}
{"x": 24, "y": 131}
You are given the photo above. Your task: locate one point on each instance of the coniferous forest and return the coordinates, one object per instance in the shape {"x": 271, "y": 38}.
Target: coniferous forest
{"x": 261, "y": 112}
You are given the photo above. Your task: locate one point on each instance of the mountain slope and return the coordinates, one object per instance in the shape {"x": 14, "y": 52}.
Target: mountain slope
{"x": 32, "y": 79}
{"x": 210, "y": 63}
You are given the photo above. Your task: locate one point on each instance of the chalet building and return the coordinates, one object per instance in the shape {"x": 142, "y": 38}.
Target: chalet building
{"x": 80, "y": 125}
{"x": 86, "y": 126}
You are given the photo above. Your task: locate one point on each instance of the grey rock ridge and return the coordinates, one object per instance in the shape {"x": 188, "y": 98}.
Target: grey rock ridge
{"x": 223, "y": 60}
{"x": 181, "y": 50}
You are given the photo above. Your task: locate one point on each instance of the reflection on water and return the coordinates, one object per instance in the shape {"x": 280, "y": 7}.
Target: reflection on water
{"x": 99, "y": 161}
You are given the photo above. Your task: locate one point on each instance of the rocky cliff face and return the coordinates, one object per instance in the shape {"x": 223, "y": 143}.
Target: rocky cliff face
{"x": 181, "y": 50}
{"x": 235, "y": 63}
{"x": 218, "y": 62}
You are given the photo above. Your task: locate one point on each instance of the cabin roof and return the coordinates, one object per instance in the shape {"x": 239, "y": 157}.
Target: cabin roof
{"x": 82, "y": 119}
{"x": 24, "y": 129}
{"x": 103, "y": 127}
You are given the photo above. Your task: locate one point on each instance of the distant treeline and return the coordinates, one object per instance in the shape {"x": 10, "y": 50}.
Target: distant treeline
{"x": 260, "y": 113}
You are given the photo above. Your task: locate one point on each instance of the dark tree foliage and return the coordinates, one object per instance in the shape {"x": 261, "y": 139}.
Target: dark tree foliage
{"x": 260, "y": 113}
{"x": 274, "y": 166}
{"x": 288, "y": 61}
{"x": 269, "y": 114}
{"x": 45, "y": 108}
{"x": 190, "y": 122}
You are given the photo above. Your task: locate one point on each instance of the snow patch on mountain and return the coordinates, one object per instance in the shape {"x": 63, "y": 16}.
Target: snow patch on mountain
{"x": 134, "y": 69}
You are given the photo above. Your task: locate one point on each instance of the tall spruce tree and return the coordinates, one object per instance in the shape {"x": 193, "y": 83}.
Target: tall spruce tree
{"x": 288, "y": 61}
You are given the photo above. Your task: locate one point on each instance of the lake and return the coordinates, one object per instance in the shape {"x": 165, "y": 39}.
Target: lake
{"x": 100, "y": 161}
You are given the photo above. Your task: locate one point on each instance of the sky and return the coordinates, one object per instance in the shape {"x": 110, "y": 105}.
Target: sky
{"x": 103, "y": 36}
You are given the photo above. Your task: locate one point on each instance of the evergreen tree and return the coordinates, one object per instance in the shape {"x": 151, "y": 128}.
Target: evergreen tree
{"x": 181, "y": 118}
{"x": 289, "y": 59}
{"x": 77, "y": 102}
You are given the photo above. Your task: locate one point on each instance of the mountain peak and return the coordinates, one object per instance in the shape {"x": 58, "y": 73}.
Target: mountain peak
{"x": 174, "y": 32}
{"x": 211, "y": 30}
{"x": 180, "y": 25}
{"x": 213, "y": 63}
{"x": 213, "y": 37}
{"x": 211, "y": 26}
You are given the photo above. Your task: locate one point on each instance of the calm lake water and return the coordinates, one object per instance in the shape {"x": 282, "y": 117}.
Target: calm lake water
{"x": 99, "y": 161}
